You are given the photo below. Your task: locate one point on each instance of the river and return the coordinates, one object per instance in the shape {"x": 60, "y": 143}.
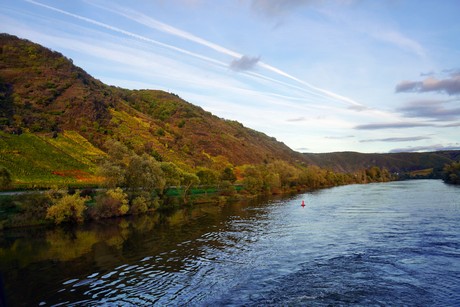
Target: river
{"x": 394, "y": 243}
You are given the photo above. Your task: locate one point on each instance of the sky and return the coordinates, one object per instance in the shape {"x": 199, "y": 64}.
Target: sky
{"x": 318, "y": 75}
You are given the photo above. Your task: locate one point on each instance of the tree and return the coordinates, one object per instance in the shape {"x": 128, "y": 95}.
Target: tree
{"x": 219, "y": 163}
{"x": 113, "y": 169}
{"x": 288, "y": 174}
{"x": 207, "y": 176}
{"x": 272, "y": 182}
{"x": 116, "y": 150}
{"x": 113, "y": 173}
{"x": 124, "y": 168}
{"x": 313, "y": 177}
{"x": 171, "y": 175}
{"x": 143, "y": 173}
{"x": 252, "y": 179}
{"x": 68, "y": 208}
{"x": 228, "y": 175}
{"x": 187, "y": 180}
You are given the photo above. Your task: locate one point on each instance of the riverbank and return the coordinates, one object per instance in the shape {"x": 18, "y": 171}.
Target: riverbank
{"x": 70, "y": 205}
{"x": 27, "y": 208}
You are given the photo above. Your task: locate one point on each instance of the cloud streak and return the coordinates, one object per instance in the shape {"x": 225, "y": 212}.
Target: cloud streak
{"x": 433, "y": 109}
{"x": 378, "y": 126}
{"x": 402, "y": 42}
{"x": 452, "y": 125}
{"x": 297, "y": 119}
{"x": 436, "y": 147}
{"x": 450, "y": 86}
{"x": 396, "y": 139}
{"x": 339, "y": 137}
{"x": 303, "y": 149}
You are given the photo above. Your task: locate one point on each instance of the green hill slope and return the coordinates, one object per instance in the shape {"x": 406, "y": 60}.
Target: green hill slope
{"x": 40, "y": 160}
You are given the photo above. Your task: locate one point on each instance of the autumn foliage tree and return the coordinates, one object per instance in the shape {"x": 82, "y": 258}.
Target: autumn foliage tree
{"x": 66, "y": 208}
{"x": 125, "y": 168}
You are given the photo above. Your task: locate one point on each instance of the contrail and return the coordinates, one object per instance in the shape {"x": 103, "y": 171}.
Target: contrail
{"x": 160, "y": 26}
{"x": 143, "y": 38}
{"x": 131, "y": 34}
{"x": 163, "y": 27}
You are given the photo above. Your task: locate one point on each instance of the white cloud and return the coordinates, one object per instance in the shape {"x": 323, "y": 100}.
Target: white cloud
{"x": 244, "y": 63}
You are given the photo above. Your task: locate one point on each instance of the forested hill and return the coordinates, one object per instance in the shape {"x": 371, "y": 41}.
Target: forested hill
{"x": 403, "y": 162}
{"x": 43, "y": 93}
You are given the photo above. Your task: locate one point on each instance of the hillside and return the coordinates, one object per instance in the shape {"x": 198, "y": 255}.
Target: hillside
{"x": 45, "y": 96}
{"x": 55, "y": 120}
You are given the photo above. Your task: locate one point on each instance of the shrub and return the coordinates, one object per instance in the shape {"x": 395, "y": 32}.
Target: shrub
{"x": 121, "y": 197}
{"x": 113, "y": 202}
{"x": 139, "y": 205}
{"x": 68, "y": 208}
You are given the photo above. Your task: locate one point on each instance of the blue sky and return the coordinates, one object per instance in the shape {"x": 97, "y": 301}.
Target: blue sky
{"x": 320, "y": 76}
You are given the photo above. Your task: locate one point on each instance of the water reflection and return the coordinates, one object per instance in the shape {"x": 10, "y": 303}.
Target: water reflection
{"x": 58, "y": 260}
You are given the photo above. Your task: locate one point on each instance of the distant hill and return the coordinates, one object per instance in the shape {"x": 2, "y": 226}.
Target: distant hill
{"x": 403, "y": 163}
{"x": 55, "y": 119}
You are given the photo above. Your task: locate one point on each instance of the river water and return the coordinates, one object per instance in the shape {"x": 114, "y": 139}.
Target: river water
{"x": 394, "y": 243}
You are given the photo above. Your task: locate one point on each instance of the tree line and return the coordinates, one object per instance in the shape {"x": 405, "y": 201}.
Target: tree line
{"x": 136, "y": 183}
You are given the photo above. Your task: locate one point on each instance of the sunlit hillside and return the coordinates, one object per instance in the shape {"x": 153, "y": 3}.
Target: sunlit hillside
{"x": 40, "y": 160}
{"x": 49, "y": 101}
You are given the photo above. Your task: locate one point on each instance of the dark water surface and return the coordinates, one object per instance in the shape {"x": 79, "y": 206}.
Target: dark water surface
{"x": 379, "y": 244}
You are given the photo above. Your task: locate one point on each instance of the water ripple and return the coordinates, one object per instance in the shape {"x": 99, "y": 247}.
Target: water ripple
{"x": 382, "y": 244}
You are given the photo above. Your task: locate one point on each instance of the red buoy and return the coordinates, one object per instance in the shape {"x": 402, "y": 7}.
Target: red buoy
{"x": 303, "y": 203}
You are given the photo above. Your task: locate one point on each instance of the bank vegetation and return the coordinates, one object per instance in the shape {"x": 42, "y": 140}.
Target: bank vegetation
{"x": 138, "y": 183}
